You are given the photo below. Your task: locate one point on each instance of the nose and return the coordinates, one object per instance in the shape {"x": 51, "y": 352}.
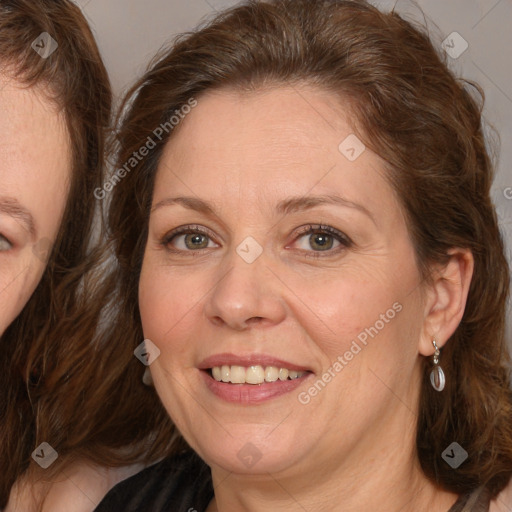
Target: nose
{"x": 247, "y": 294}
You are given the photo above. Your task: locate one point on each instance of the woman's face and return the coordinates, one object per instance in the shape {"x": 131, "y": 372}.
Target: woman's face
{"x": 34, "y": 174}
{"x": 276, "y": 243}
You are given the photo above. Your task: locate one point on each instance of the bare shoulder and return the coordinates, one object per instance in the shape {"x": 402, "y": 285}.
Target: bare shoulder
{"x": 503, "y": 502}
{"x": 78, "y": 489}
{"x": 83, "y": 486}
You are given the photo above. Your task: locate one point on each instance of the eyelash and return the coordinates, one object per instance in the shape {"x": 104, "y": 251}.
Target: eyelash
{"x": 344, "y": 240}
{"x": 310, "y": 229}
{"x": 186, "y": 230}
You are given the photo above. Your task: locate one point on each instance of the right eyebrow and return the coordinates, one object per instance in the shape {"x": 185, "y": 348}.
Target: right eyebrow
{"x": 190, "y": 203}
{"x": 12, "y": 207}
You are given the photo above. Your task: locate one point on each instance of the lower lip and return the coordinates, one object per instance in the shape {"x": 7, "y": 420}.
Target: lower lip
{"x": 250, "y": 394}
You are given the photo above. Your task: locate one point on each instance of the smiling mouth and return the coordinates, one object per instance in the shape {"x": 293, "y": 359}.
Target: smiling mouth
{"x": 256, "y": 374}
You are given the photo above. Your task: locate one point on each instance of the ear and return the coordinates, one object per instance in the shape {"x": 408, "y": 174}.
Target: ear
{"x": 446, "y": 299}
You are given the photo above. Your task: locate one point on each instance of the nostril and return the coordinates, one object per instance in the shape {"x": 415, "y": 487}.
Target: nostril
{"x": 255, "y": 320}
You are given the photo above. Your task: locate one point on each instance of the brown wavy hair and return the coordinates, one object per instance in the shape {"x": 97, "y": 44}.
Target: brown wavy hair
{"x": 427, "y": 126}
{"x": 52, "y": 354}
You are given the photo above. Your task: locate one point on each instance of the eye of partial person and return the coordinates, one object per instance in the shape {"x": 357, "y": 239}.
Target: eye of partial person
{"x": 5, "y": 245}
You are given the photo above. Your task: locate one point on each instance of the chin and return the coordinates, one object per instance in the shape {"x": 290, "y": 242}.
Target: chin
{"x": 249, "y": 450}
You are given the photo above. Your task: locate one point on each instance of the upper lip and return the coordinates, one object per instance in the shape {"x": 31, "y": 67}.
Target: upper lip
{"x": 248, "y": 360}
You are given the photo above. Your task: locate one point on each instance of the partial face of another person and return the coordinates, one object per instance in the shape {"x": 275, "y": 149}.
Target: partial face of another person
{"x": 277, "y": 259}
{"x": 34, "y": 181}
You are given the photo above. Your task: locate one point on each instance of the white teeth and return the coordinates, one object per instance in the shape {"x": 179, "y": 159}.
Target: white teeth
{"x": 271, "y": 373}
{"x": 225, "y": 373}
{"x": 237, "y": 375}
{"x": 253, "y": 374}
{"x": 217, "y": 373}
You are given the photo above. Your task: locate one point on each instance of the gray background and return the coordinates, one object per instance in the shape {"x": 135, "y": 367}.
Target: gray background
{"x": 130, "y": 32}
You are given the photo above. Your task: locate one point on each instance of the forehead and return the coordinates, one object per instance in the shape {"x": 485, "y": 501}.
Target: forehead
{"x": 29, "y": 107}
{"x": 261, "y": 141}
{"x": 275, "y": 119}
{"x": 35, "y": 153}
{"x": 31, "y": 130}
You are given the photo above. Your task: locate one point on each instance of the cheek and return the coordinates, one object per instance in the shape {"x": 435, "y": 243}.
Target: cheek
{"x": 363, "y": 328}
{"x": 18, "y": 282}
{"x": 351, "y": 303}
{"x": 168, "y": 302}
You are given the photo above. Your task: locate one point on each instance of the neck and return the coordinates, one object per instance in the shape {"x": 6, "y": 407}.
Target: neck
{"x": 280, "y": 495}
{"x": 378, "y": 473}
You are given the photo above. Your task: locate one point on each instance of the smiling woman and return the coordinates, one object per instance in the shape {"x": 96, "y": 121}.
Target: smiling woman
{"x": 320, "y": 222}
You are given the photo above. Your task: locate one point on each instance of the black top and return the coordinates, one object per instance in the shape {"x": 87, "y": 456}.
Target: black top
{"x": 183, "y": 483}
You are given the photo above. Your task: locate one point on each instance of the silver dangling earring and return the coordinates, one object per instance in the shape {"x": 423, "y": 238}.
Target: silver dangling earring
{"x": 147, "y": 378}
{"x": 437, "y": 378}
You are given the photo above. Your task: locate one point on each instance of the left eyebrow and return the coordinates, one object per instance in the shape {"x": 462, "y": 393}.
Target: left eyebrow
{"x": 290, "y": 205}
{"x": 297, "y": 204}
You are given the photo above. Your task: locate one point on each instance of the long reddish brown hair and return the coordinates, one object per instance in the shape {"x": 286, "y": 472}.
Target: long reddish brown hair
{"x": 51, "y": 354}
{"x": 423, "y": 121}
